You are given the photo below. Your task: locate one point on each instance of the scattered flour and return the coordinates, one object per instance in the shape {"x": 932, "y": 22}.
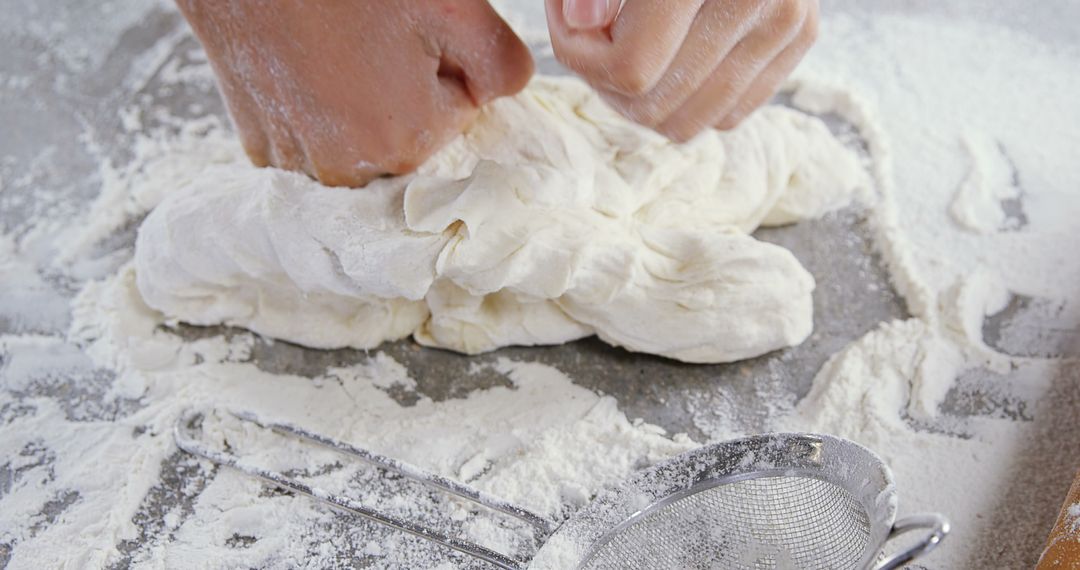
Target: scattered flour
{"x": 978, "y": 204}
{"x": 976, "y": 207}
{"x": 548, "y": 444}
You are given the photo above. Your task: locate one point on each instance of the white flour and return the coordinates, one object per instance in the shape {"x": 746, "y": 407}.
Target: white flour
{"x": 978, "y": 199}
{"x": 957, "y": 243}
{"x": 542, "y": 441}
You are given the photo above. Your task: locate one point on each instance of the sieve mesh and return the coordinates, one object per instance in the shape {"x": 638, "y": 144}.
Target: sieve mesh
{"x": 779, "y": 522}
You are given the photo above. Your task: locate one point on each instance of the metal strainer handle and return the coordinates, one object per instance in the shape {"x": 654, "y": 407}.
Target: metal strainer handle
{"x": 936, "y": 523}
{"x": 187, "y": 439}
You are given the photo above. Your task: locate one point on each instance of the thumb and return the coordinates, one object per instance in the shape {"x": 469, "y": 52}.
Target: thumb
{"x": 590, "y": 14}
{"x": 481, "y": 50}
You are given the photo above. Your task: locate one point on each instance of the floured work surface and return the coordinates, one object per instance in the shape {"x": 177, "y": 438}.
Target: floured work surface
{"x": 979, "y": 222}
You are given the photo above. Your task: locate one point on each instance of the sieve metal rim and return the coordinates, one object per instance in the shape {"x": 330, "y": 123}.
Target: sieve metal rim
{"x": 699, "y": 487}
{"x": 853, "y": 467}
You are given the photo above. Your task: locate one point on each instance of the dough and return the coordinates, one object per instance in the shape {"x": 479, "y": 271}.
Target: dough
{"x": 551, "y": 219}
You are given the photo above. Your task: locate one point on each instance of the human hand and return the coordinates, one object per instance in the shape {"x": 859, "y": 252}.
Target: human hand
{"x": 348, "y": 91}
{"x": 680, "y": 66}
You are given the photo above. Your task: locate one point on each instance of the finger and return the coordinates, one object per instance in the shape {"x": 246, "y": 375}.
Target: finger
{"x": 725, "y": 87}
{"x": 483, "y": 51}
{"x": 338, "y": 174}
{"x": 717, "y": 29}
{"x": 254, "y": 140}
{"x": 632, "y": 54}
{"x": 765, "y": 86}
{"x": 590, "y": 14}
{"x": 286, "y": 152}
{"x": 248, "y": 121}
{"x": 335, "y": 160}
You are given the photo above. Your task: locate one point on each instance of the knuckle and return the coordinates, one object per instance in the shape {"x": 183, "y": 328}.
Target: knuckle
{"x": 516, "y": 76}
{"x": 812, "y": 26}
{"x": 256, "y": 145}
{"x": 258, "y": 155}
{"x": 683, "y": 131}
{"x": 635, "y": 72}
{"x": 641, "y": 113}
{"x": 790, "y": 14}
{"x": 684, "y": 135}
{"x": 336, "y": 177}
{"x": 515, "y": 64}
{"x": 642, "y": 110}
{"x": 329, "y": 176}
{"x": 568, "y": 56}
{"x": 728, "y": 124}
{"x": 734, "y": 119}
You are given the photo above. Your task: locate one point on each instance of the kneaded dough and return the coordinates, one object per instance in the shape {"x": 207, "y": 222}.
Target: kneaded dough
{"x": 551, "y": 219}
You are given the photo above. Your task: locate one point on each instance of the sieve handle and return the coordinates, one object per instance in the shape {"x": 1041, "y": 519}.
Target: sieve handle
{"x": 936, "y": 523}
{"x": 187, "y": 440}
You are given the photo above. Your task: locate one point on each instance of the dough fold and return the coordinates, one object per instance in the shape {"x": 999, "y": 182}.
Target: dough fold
{"x": 552, "y": 219}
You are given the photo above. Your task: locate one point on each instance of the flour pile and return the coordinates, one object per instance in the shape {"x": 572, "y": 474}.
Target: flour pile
{"x": 552, "y": 219}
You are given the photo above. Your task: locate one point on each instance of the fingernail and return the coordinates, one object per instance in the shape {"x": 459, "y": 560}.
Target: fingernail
{"x": 586, "y": 14}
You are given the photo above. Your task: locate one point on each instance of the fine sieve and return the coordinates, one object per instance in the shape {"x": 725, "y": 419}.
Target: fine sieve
{"x": 776, "y": 501}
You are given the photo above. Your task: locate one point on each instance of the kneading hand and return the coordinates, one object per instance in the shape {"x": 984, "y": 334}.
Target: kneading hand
{"x": 347, "y": 91}
{"x": 680, "y": 66}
